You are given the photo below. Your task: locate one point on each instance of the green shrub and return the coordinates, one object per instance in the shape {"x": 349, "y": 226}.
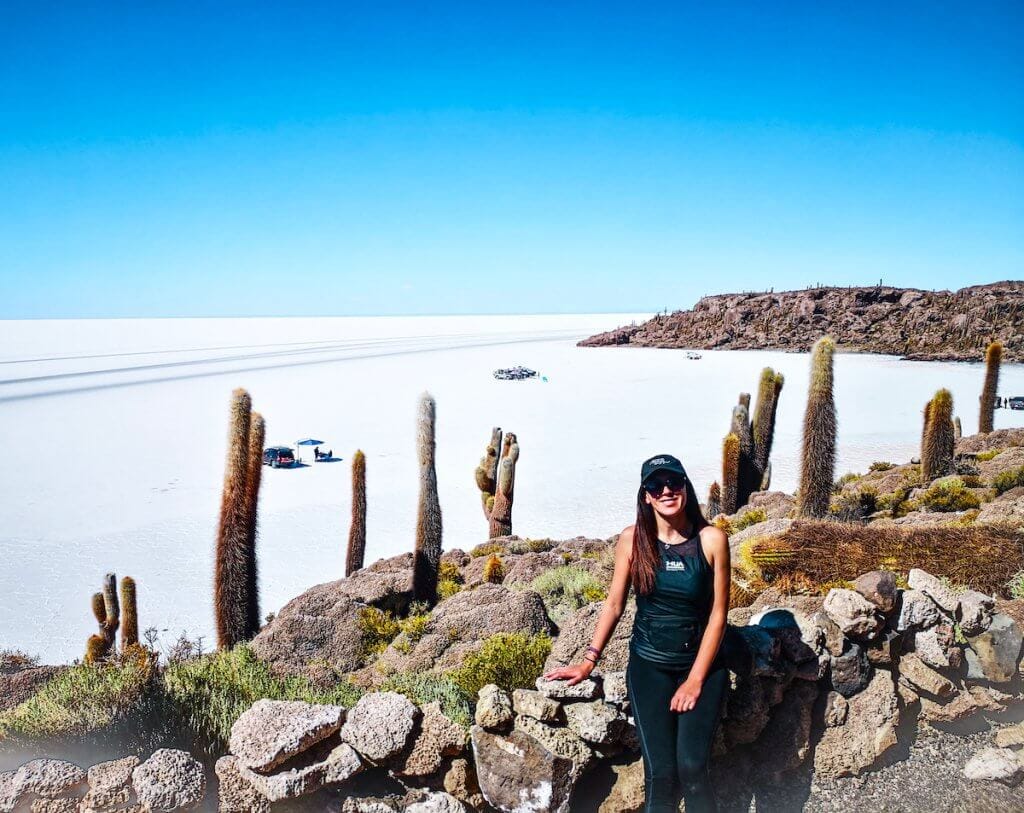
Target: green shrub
{"x": 1006, "y": 480}
{"x": 568, "y": 586}
{"x": 512, "y": 660}
{"x": 446, "y": 588}
{"x": 422, "y": 688}
{"x": 983, "y": 456}
{"x": 949, "y": 494}
{"x": 972, "y": 481}
{"x": 449, "y": 571}
{"x": 211, "y": 692}
{"x": 415, "y": 626}
{"x": 748, "y": 518}
{"x": 486, "y": 549}
{"x": 1015, "y": 587}
{"x": 881, "y": 465}
{"x": 83, "y": 698}
{"x": 856, "y": 505}
{"x": 530, "y": 545}
{"x": 849, "y": 477}
{"x": 378, "y": 628}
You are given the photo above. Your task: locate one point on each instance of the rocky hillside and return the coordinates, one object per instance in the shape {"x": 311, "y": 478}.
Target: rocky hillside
{"x": 915, "y": 324}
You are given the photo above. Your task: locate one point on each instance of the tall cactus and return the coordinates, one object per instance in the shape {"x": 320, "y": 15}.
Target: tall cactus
{"x": 111, "y": 608}
{"x": 768, "y": 391}
{"x": 129, "y": 614}
{"x": 730, "y": 473}
{"x": 818, "y": 458}
{"x": 231, "y": 578}
{"x": 747, "y": 479}
{"x": 487, "y": 472}
{"x": 501, "y": 514}
{"x": 939, "y": 437}
{"x": 714, "y": 504}
{"x": 993, "y": 358}
{"x": 357, "y": 528}
{"x": 958, "y": 430}
{"x": 427, "y": 555}
{"x": 253, "y": 477}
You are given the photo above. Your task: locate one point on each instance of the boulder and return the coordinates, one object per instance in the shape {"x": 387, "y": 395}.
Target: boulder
{"x": 1007, "y": 508}
{"x": 975, "y": 612}
{"x": 917, "y": 611}
{"x": 1010, "y": 736}
{"x": 1007, "y": 460}
{"x": 18, "y": 684}
{"x": 962, "y": 705}
{"x": 869, "y": 730}
{"x": 939, "y": 592}
{"x": 785, "y": 742}
{"x": 536, "y": 705}
{"x": 460, "y": 781}
{"x": 753, "y": 651}
{"x": 437, "y": 803}
{"x": 8, "y": 791}
{"x": 458, "y": 625}
{"x": 614, "y": 686}
{"x": 995, "y": 764}
{"x": 851, "y": 671}
{"x": 771, "y": 527}
{"x": 884, "y": 650}
{"x": 493, "y": 708}
{"x": 379, "y": 725}
{"x": 995, "y": 654}
{"x": 329, "y": 762}
{"x": 595, "y": 722}
{"x": 234, "y": 793}
{"x": 560, "y": 741}
{"x": 272, "y": 731}
{"x": 169, "y": 780}
{"x": 438, "y": 738}
{"x": 526, "y": 567}
{"x": 878, "y": 587}
{"x": 110, "y": 784}
{"x": 588, "y": 689}
{"x": 853, "y": 614}
{"x": 577, "y": 631}
{"x": 519, "y": 775}
{"x": 775, "y": 504}
{"x": 48, "y": 778}
{"x": 923, "y": 678}
{"x": 627, "y": 793}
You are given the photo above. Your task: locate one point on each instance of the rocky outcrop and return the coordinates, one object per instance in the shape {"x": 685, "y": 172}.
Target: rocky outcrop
{"x": 912, "y": 323}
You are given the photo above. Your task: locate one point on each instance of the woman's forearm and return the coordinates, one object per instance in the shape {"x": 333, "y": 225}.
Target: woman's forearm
{"x": 709, "y": 644}
{"x": 606, "y": 623}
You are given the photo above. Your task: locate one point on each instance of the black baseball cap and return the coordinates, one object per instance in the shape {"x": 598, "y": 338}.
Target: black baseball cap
{"x": 661, "y": 462}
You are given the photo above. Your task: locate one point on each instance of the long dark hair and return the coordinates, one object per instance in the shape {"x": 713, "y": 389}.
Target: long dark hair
{"x": 645, "y": 537}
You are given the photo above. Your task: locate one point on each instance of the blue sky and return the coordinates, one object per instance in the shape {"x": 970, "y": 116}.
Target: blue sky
{"x": 248, "y": 159}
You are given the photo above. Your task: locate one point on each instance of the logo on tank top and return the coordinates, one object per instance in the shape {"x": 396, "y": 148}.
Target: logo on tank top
{"x": 675, "y": 564}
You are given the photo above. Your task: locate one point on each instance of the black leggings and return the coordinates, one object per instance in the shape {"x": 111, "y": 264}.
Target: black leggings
{"x": 675, "y": 746}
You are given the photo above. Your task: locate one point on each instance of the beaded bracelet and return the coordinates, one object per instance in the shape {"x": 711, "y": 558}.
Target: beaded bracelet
{"x": 595, "y": 650}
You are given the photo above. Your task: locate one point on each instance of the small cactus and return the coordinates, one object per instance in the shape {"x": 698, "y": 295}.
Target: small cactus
{"x": 357, "y": 528}
{"x": 714, "y": 504}
{"x": 993, "y": 358}
{"x": 768, "y": 391}
{"x": 939, "y": 438}
{"x": 129, "y": 613}
{"x": 818, "y": 457}
{"x": 96, "y": 649}
{"x": 427, "y": 554}
{"x": 494, "y": 569}
{"x": 730, "y": 473}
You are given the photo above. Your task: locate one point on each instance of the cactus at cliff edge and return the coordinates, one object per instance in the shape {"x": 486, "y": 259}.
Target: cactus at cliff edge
{"x": 818, "y": 457}
{"x": 714, "y": 503}
{"x": 129, "y": 614}
{"x": 253, "y": 477}
{"x": 231, "y": 583}
{"x": 111, "y": 609}
{"x": 939, "y": 438}
{"x": 993, "y": 358}
{"x": 501, "y": 512}
{"x": 357, "y": 528}
{"x": 768, "y": 391}
{"x": 427, "y": 555}
{"x": 730, "y": 473}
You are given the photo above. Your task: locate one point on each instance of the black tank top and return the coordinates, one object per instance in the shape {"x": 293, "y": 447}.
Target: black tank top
{"x": 671, "y": 618}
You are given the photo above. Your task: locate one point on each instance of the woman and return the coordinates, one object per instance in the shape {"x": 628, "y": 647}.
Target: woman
{"x": 678, "y": 566}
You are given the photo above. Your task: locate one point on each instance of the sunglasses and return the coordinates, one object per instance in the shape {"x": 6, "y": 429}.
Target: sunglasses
{"x": 656, "y": 485}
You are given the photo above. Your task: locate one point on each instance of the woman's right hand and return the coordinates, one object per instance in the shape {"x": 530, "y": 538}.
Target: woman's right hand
{"x": 574, "y": 674}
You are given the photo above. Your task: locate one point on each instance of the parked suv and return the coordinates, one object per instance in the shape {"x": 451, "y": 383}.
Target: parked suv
{"x": 277, "y": 456}
{"x": 1017, "y": 402}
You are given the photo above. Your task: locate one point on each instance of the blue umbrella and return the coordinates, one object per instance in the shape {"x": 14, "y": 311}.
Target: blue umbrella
{"x": 309, "y": 442}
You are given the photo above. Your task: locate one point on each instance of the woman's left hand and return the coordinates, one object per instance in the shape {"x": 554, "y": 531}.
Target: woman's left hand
{"x": 685, "y": 697}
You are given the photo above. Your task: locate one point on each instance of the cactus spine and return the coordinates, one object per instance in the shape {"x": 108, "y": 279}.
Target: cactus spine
{"x": 714, "y": 505}
{"x": 993, "y": 358}
{"x": 817, "y": 464}
{"x": 231, "y": 578}
{"x": 129, "y": 613}
{"x": 730, "y": 473}
{"x": 427, "y": 555}
{"x": 253, "y": 477}
{"x": 357, "y": 530}
{"x": 939, "y": 437}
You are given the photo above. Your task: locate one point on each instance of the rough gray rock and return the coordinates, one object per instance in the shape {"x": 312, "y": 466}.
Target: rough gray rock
{"x": 437, "y": 803}
{"x": 853, "y": 614}
{"x": 869, "y": 731}
{"x": 560, "y": 741}
{"x": 577, "y": 631}
{"x": 536, "y": 705}
{"x": 272, "y": 731}
{"x": 561, "y": 690}
{"x": 923, "y": 678}
{"x": 379, "y": 725}
{"x": 1007, "y": 507}
{"x": 169, "y": 780}
{"x": 851, "y": 671}
{"x": 996, "y": 653}
{"x": 627, "y": 793}
{"x": 917, "y": 611}
{"x": 995, "y": 764}
{"x": 938, "y": 651}
{"x": 438, "y": 738}
{"x": 48, "y": 778}
{"x": 519, "y": 775}
{"x": 328, "y": 763}
{"x": 235, "y": 794}
{"x": 975, "y": 612}
{"x": 942, "y": 595}
{"x": 614, "y": 684}
{"x": 493, "y": 708}
{"x": 110, "y": 784}
{"x": 596, "y": 722}
{"x": 878, "y": 587}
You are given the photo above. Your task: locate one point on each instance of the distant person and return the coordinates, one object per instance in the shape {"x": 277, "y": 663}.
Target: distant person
{"x": 678, "y": 565}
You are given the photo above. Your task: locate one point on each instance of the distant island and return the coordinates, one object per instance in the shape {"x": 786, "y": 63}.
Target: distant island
{"x": 908, "y": 322}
